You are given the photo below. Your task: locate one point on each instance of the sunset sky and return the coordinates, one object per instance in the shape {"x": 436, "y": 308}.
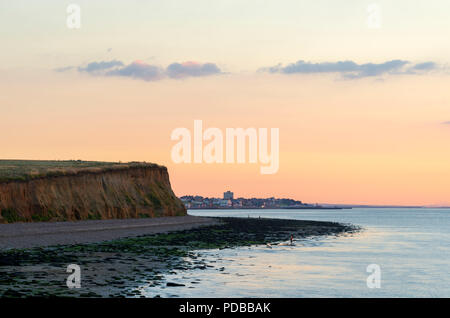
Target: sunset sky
{"x": 363, "y": 112}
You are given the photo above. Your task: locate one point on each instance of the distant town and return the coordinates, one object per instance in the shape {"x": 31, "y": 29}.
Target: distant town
{"x": 229, "y": 202}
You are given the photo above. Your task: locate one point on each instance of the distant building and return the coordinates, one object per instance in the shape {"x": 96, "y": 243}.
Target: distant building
{"x": 225, "y": 203}
{"x": 228, "y": 195}
{"x": 228, "y": 202}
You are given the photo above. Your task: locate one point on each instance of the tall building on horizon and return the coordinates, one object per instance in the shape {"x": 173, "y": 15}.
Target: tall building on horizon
{"x": 228, "y": 195}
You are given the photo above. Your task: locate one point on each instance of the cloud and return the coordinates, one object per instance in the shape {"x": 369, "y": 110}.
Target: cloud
{"x": 177, "y": 70}
{"x": 346, "y": 69}
{"x": 446, "y": 123}
{"x": 425, "y": 66}
{"x": 352, "y": 70}
{"x": 138, "y": 70}
{"x": 98, "y": 67}
{"x": 147, "y": 72}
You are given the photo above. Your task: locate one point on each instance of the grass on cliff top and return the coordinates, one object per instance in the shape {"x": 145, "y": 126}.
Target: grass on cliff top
{"x": 22, "y": 170}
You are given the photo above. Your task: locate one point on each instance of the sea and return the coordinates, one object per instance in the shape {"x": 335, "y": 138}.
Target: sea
{"x": 400, "y": 252}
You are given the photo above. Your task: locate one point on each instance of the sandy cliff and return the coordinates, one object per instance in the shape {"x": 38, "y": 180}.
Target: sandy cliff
{"x": 133, "y": 191}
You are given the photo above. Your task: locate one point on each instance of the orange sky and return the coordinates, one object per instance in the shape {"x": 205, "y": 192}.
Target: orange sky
{"x": 341, "y": 141}
{"x": 379, "y": 138}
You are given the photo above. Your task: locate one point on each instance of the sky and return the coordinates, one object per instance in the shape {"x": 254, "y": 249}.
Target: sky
{"x": 362, "y": 107}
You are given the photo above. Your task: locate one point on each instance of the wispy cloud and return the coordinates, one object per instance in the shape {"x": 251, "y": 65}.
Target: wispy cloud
{"x": 446, "y": 122}
{"x": 177, "y": 70}
{"x": 353, "y": 70}
{"x": 138, "y": 70}
{"x": 99, "y": 67}
{"x": 147, "y": 72}
{"x": 425, "y": 66}
{"x": 346, "y": 69}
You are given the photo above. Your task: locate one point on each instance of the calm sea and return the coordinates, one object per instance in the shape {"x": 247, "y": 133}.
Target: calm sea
{"x": 410, "y": 246}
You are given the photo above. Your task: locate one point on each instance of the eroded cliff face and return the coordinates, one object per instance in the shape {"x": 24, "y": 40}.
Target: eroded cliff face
{"x": 125, "y": 192}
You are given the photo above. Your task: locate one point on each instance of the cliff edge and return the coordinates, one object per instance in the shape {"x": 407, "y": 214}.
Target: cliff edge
{"x": 77, "y": 190}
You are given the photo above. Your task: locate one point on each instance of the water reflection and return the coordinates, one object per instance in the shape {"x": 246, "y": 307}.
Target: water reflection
{"x": 412, "y": 248}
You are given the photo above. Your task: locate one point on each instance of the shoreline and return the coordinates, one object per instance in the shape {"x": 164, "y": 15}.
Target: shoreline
{"x": 119, "y": 268}
{"x": 273, "y": 208}
{"x": 41, "y": 234}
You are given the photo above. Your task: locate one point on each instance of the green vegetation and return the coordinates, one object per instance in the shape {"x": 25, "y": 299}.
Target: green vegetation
{"x": 94, "y": 216}
{"x": 125, "y": 190}
{"x": 44, "y": 217}
{"x": 154, "y": 199}
{"x": 10, "y": 215}
{"x": 23, "y": 170}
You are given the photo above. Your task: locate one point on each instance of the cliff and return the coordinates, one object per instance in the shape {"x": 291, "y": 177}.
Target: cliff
{"x": 80, "y": 192}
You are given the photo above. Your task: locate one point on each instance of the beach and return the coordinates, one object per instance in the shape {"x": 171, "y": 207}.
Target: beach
{"x": 120, "y": 258}
{"x": 25, "y": 235}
